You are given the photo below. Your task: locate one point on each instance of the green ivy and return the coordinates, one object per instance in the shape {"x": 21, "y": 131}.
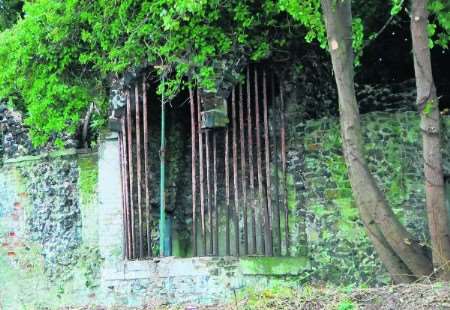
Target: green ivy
{"x": 439, "y": 21}
{"x": 59, "y": 58}
{"x": 439, "y": 26}
{"x": 396, "y": 6}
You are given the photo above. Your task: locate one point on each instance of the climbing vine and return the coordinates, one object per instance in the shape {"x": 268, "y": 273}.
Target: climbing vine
{"x": 60, "y": 57}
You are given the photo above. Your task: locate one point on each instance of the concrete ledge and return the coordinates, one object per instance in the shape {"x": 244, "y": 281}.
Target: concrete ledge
{"x": 108, "y": 135}
{"x": 173, "y": 267}
{"x": 168, "y": 267}
{"x": 48, "y": 155}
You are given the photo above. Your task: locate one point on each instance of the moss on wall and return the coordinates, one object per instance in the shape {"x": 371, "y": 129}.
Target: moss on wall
{"x": 87, "y": 188}
{"x": 88, "y": 178}
{"x": 338, "y": 247}
{"x": 319, "y": 197}
{"x": 24, "y": 283}
{"x": 282, "y": 266}
{"x": 34, "y": 274}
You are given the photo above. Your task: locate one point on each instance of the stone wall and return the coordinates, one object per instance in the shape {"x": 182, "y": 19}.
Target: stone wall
{"x": 61, "y": 234}
{"x": 170, "y": 280}
{"x": 336, "y": 242}
{"x": 61, "y": 230}
{"x": 13, "y": 135}
{"x": 46, "y": 258}
{"x": 200, "y": 280}
{"x": 15, "y": 140}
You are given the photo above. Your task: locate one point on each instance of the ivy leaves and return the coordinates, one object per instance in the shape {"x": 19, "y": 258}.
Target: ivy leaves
{"x": 40, "y": 60}
{"x": 439, "y": 26}
{"x": 396, "y": 6}
{"x": 59, "y": 57}
{"x": 307, "y": 13}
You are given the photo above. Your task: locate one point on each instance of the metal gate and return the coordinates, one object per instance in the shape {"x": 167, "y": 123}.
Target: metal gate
{"x": 251, "y": 193}
{"x": 134, "y": 154}
{"x": 239, "y": 190}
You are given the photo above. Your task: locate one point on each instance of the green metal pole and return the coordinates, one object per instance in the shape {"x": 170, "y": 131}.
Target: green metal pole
{"x": 162, "y": 214}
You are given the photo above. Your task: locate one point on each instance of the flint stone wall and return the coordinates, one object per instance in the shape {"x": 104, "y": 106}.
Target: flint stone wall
{"x": 61, "y": 233}
{"x": 61, "y": 218}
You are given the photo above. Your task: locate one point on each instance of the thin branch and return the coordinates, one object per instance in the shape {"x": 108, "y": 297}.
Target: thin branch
{"x": 382, "y": 29}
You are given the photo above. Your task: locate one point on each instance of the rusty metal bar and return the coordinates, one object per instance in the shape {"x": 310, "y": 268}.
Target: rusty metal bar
{"x": 148, "y": 208}
{"x": 201, "y": 171}
{"x": 130, "y": 172}
{"x": 227, "y": 192}
{"x": 208, "y": 190}
{"x": 269, "y": 243}
{"x": 162, "y": 180}
{"x": 263, "y": 216}
{"x": 243, "y": 168}
{"x": 276, "y": 207}
{"x": 126, "y": 189}
{"x": 139, "y": 168}
{"x": 250, "y": 163}
{"x": 235, "y": 173}
{"x": 283, "y": 168}
{"x": 194, "y": 172}
{"x": 124, "y": 195}
{"x": 216, "y": 211}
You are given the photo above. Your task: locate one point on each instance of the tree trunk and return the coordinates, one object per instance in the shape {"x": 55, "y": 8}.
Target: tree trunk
{"x": 402, "y": 256}
{"x": 427, "y": 102}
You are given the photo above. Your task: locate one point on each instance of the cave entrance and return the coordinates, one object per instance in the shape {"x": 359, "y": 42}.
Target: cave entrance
{"x": 233, "y": 171}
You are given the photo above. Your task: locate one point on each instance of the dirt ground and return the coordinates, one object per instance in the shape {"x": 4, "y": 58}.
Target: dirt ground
{"x": 417, "y": 296}
{"x": 400, "y": 297}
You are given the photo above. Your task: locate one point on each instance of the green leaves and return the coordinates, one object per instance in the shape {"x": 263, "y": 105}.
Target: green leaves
{"x": 431, "y": 29}
{"x": 429, "y": 107}
{"x": 57, "y": 59}
{"x": 308, "y": 14}
{"x": 358, "y": 38}
{"x": 439, "y": 27}
{"x": 41, "y": 55}
{"x": 396, "y": 6}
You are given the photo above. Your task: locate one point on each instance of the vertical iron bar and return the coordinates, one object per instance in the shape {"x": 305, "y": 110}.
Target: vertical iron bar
{"x": 267, "y": 157}
{"x": 148, "y": 210}
{"x": 129, "y": 197}
{"x": 216, "y": 211}
{"x": 194, "y": 174}
{"x": 250, "y": 162}
{"x": 276, "y": 208}
{"x": 139, "y": 168}
{"x": 162, "y": 190}
{"x": 126, "y": 195}
{"x": 208, "y": 190}
{"x": 130, "y": 173}
{"x": 243, "y": 168}
{"x": 235, "y": 173}
{"x": 283, "y": 167}
{"x": 263, "y": 216}
{"x": 200, "y": 151}
{"x": 227, "y": 192}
